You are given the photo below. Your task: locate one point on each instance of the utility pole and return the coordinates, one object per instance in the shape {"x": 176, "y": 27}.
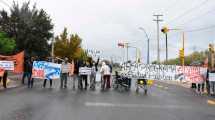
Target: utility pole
{"x": 52, "y": 53}
{"x": 158, "y": 20}
{"x": 126, "y": 46}
{"x": 183, "y": 50}
{"x": 148, "y": 56}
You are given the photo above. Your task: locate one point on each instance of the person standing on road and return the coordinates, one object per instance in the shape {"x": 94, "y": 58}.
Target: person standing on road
{"x": 93, "y": 76}
{"x": 27, "y": 70}
{"x": 105, "y": 71}
{"x": 111, "y": 69}
{"x": 30, "y": 79}
{"x": 4, "y": 78}
{"x": 212, "y": 85}
{"x": 64, "y": 73}
{"x": 76, "y": 77}
{"x": 84, "y": 78}
{"x": 50, "y": 80}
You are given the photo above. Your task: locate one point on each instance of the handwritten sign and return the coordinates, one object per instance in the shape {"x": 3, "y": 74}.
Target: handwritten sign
{"x": 7, "y": 65}
{"x": 46, "y": 70}
{"x": 85, "y": 71}
{"x": 164, "y": 72}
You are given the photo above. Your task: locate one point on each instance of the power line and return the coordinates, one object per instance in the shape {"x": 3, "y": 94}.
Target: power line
{"x": 201, "y": 29}
{"x": 188, "y": 11}
{"x": 195, "y": 18}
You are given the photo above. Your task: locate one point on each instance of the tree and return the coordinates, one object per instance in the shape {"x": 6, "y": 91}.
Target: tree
{"x": 195, "y": 57}
{"x": 69, "y": 47}
{"x": 7, "y": 44}
{"x": 31, "y": 28}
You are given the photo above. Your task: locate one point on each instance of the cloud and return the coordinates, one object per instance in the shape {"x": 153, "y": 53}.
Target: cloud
{"x": 103, "y": 23}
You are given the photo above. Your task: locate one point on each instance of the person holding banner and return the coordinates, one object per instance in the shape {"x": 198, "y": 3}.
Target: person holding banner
{"x": 50, "y": 80}
{"x": 4, "y": 79}
{"x": 64, "y": 73}
{"x": 83, "y": 77}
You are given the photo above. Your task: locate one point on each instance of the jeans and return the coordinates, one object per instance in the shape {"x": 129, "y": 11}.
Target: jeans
{"x": 26, "y": 74}
{"x": 208, "y": 86}
{"x": 200, "y": 87}
{"x": 92, "y": 81}
{"x": 74, "y": 80}
{"x": 64, "y": 77}
{"x": 83, "y": 78}
{"x": 44, "y": 83}
{"x": 212, "y": 85}
{"x": 106, "y": 82}
{"x": 30, "y": 83}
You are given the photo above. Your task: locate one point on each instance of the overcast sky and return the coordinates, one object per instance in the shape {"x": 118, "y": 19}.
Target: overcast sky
{"x": 103, "y": 23}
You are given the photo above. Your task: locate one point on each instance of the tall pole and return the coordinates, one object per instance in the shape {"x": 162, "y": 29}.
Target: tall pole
{"x": 126, "y": 46}
{"x": 183, "y": 49}
{"x": 52, "y": 54}
{"x": 166, "y": 47}
{"x": 148, "y": 54}
{"x": 158, "y": 20}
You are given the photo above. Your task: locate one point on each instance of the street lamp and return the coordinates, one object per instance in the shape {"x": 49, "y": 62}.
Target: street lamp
{"x": 141, "y": 28}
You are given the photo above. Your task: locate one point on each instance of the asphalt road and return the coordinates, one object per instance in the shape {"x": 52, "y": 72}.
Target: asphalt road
{"x": 163, "y": 102}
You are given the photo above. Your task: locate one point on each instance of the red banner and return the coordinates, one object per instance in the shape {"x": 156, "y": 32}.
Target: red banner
{"x": 18, "y": 61}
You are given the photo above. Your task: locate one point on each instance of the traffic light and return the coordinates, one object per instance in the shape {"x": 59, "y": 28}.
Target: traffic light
{"x": 121, "y": 45}
{"x": 181, "y": 56}
{"x": 164, "y": 30}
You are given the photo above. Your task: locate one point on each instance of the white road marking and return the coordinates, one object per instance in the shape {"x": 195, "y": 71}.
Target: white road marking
{"x": 103, "y": 104}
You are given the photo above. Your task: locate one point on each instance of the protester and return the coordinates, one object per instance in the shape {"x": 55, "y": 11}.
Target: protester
{"x": 64, "y": 73}
{"x": 29, "y": 67}
{"x": 83, "y": 78}
{"x": 105, "y": 71}
{"x": 4, "y": 78}
{"x": 93, "y": 76}
{"x": 71, "y": 73}
{"x": 111, "y": 69}
{"x": 50, "y": 80}
{"x": 27, "y": 70}
{"x": 201, "y": 84}
{"x": 212, "y": 85}
{"x": 96, "y": 64}
{"x": 208, "y": 82}
{"x": 44, "y": 83}
{"x": 76, "y": 74}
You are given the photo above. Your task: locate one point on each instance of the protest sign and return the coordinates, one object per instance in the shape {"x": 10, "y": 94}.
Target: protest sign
{"x": 46, "y": 70}
{"x": 212, "y": 77}
{"x": 7, "y": 65}
{"x": 164, "y": 72}
{"x": 85, "y": 71}
{"x": 18, "y": 60}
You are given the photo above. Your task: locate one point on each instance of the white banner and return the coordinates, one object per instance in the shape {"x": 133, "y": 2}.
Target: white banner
{"x": 164, "y": 72}
{"x": 85, "y": 71}
{"x": 212, "y": 77}
{"x": 7, "y": 65}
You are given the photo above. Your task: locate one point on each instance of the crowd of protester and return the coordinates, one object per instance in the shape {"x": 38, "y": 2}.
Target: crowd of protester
{"x": 82, "y": 82}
